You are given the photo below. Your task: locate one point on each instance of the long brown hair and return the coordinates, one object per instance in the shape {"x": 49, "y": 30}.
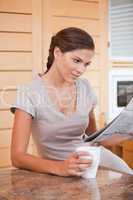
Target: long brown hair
{"x": 69, "y": 39}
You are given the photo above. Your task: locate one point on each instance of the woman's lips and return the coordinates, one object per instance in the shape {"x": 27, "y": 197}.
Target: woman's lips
{"x": 76, "y": 75}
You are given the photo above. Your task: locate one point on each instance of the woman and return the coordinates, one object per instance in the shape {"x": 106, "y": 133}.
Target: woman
{"x": 57, "y": 107}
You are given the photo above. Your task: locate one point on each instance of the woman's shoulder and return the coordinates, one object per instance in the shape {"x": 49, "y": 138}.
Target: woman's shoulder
{"x": 33, "y": 85}
{"x": 88, "y": 89}
{"x": 84, "y": 82}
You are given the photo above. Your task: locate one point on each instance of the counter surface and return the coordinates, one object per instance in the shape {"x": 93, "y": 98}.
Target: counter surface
{"x": 18, "y": 184}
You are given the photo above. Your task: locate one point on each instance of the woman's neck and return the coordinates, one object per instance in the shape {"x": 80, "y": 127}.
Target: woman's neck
{"x": 53, "y": 77}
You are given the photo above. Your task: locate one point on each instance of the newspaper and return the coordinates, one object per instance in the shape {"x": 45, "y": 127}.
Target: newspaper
{"x": 111, "y": 161}
{"x": 121, "y": 126}
{"x": 119, "y": 129}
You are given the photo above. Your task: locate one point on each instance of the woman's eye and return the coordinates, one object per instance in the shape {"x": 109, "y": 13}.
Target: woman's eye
{"x": 76, "y": 60}
{"x": 86, "y": 65}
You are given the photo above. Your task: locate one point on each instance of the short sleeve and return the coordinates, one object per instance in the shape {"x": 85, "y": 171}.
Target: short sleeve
{"x": 91, "y": 94}
{"x": 94, "y": 98}
{"x": 24, "y": 101}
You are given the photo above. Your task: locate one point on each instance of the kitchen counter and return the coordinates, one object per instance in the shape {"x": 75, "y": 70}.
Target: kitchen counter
{"x": 18, "y": 184}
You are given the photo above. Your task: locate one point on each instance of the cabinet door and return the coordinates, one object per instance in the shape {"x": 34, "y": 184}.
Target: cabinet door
{"x": 128, "y": 152}
{"x": 20, "y": 58}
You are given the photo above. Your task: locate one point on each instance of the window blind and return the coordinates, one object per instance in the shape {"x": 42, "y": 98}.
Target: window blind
{"x": 121, "y": 29}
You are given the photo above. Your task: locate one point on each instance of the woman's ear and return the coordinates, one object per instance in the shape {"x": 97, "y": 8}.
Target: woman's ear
{"x": 57, "y": 52}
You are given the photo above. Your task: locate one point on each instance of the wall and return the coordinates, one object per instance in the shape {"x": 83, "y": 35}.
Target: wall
{"x": 15, "y": 62}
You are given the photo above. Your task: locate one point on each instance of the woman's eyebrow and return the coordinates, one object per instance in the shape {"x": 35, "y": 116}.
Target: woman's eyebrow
{"x": 82, "y": 60}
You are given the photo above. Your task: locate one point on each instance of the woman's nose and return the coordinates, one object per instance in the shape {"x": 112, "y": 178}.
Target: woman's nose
{"x": 81, "y": 69}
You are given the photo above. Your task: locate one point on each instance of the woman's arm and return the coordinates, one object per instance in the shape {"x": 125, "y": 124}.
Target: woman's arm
{"x": 21, "y": 159}
{"x": 91, "y": 128}
{"x": 20, "y": 140}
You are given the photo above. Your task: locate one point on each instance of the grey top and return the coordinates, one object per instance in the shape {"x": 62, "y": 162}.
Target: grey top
{"x": 55, "y": 134}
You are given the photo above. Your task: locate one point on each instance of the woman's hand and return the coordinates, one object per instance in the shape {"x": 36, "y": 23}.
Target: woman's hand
{"x": 115, "y": 139}
{"x": 76, "y": 164}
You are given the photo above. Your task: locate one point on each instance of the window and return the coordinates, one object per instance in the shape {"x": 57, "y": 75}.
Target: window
{"x": 121, "y": 30}
{"x": 124, "y": 92}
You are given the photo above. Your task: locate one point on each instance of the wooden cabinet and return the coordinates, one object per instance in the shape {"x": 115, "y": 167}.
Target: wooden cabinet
{"x": 125, "y": 151}
{"x": 128, "y": 152}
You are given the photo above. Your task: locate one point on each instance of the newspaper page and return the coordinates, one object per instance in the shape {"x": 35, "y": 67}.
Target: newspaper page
{"x": 121, "y": 126}
{"x": 111, "y": 161}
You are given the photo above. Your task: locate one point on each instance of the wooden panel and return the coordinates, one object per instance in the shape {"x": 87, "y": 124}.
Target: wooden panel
{"x": 128, "y": 157}
{"x": 94, "y": 1}
{"x": 11, "y": 79}
{"x": 5, "y": 157}
{"x": 15, "y": 61}
{"x": 15, "y": 54}
{"x": 95, "y": 65}
{"x": 15, "y": 22}
{"x": 6, "y": 119}
{"x": 5, "y": 138}
{"x": 91, "y": 26}
{"x": 14, "y": 42}
{"x": 74, "y": 8}
{"x": 16, "y": 6}
{"x": 93, "y": 77}
{"x": 7, "y": 98}
{"x": 117, "y": 149}
{"x": 97, "y": 44}
{"x": 128, "y": 152}
{"x": 101, "y": 120}
{"x": 104, "y": 69}
{"x": 128, "y": 145}
{"x": 37, "y": 41}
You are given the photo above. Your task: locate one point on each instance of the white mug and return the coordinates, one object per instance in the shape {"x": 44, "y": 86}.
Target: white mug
{"x": 95, "y": 155}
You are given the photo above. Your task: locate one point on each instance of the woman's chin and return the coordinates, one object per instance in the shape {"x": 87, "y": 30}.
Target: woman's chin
{"x": 71, "y": 79}
{"x": 74, "y": 77}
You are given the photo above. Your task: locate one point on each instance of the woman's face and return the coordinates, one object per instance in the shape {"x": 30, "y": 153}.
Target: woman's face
{"x": 73, "y": 64}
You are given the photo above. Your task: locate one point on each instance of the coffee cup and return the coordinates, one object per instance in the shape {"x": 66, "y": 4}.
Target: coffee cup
{"x": 94, "y": 155}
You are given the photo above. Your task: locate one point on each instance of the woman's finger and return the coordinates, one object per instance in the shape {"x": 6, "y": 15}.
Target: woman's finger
{"x": 79, "y": 167}
{"x": 83, "y": 153}
{"x": 83, "y": 167}
{"x": 74, "y": 155}
{"x": 84, "y": 161}
{"x": 76, "y": 173}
